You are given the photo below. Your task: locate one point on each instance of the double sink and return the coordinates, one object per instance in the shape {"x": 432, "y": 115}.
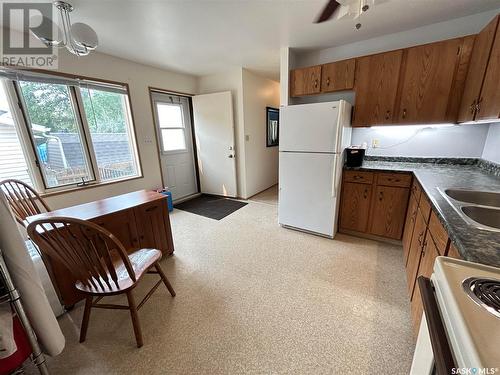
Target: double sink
{"x": 478, "y": 208}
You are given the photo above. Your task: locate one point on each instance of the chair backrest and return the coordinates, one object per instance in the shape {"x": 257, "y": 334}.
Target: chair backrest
{"x": 84, "y": 248}
{"x": 23, "y": 200}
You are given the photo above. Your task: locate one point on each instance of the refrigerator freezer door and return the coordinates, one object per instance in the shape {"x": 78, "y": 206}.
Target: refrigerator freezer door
{"x": 306, "y": 198}
{"x": 310, "y": 127}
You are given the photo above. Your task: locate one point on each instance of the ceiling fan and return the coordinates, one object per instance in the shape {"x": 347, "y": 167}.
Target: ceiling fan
{"x": 346, "y": 9}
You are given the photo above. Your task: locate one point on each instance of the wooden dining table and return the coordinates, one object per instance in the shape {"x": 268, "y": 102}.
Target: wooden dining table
{"x": 139, "y": 220}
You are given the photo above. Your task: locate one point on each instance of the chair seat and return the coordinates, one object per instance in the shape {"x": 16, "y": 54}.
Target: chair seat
{"x": 141, "y": 261}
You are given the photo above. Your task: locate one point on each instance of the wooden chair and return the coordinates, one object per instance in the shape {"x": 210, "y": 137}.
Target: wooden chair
{"x": 23, "y": 200}
{"x": 100, "y": 263}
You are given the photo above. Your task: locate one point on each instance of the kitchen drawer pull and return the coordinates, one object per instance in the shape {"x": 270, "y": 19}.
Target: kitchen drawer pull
{"x": 149, "y": 209}
{"x": 381, "y": 196}
{"x": 387, "y": 115}
{"x": 328, "y": 81}
{"x": 358, "y": 177}
{"x": 443, "y": 358}
{"x": 365, "y": 195}
{"x": 404, "y": 113}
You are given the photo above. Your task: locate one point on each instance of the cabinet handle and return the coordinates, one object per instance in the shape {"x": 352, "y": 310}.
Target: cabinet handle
{"x": 315, "y": 83}
{"x": 395, "y": 180}
{"x": 424, "y": 247}
{"x": 380, "y": 196}
{"x": 328, "y": 81}
{"x": 358, "y": 177}
{"x": 420, "y": 238}
{"x": 149, "y": 209}
{"x": 365, "y": 195}
{"x": 387, "y": 115}
{"x": 473, "y": 107}
{"x": 404, "y": 113}
{"x": 478, "y": 105}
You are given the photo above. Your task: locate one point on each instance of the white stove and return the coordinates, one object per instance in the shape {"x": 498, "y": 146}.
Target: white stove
{"x": 467, "y": 297}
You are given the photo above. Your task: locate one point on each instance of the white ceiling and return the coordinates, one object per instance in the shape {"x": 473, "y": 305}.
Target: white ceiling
{"x": 207, "y": 36}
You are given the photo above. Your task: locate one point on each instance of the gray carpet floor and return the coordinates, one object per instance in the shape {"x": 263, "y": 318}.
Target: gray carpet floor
{"x": 254, "y": 298}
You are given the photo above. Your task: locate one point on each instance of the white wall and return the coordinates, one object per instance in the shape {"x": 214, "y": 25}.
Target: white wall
{"x": 491, "y": 150}
{"x": 139, "y": 77}
{"x": 231, "y": 80}
{"x": 423, "y": 141}
{"x": 261, "y": 162}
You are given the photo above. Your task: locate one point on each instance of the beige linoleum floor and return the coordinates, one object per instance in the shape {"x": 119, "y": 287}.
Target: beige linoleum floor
{"x": 254, "y": 298}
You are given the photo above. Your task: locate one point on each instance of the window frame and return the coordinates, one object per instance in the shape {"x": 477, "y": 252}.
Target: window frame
{"x": 22, "y": 123}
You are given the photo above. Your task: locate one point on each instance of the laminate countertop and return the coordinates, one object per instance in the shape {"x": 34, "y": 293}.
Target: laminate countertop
{"x": 473, "y": 244}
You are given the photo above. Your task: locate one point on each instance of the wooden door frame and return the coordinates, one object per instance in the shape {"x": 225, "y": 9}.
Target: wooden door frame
{"x": 151, "y": 91}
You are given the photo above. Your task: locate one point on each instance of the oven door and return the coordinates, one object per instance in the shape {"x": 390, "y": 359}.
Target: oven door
{"x": 433, "y": 354}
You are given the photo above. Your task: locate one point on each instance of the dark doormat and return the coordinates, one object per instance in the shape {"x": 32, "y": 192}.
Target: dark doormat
{"x": 211, "y": 206}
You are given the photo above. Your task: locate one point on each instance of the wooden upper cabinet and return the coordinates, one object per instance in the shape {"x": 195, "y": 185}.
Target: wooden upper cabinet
{"x": 305, "y": 81}
{"x": 489, "y": 100}
{"x": 338, "y": 76}
{"x": 376, "y": 88}
{"x": 477, "y": 70}
{"x": 426, "y": 82}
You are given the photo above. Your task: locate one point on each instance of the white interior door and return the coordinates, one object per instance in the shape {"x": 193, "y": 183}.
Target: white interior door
{"x": 214, "y": 134}
{"x": 173, "y": 123}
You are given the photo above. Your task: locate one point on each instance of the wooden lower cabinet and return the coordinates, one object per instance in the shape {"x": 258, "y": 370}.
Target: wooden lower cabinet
{"x": 415, "y": 251}
{"x": 388, "y": 211}
{"x": 356, "y": 201}
{"x": 428, "y": 256}
{"x": 374, "y": 203}
{"x": 123, "y": 226}
{"x": 411, "y": 215}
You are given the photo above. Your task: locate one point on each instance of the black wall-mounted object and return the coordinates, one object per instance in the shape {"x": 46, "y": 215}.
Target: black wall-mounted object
{"x": 272, "y": 126}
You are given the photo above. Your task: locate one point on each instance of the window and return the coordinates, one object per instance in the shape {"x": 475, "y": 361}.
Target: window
{"x": 12, "y": 162}
{"x": 75, "y": 132}
{"x": 56, "y": 133}
{"x": 171, "y": 124}
{"x": 110, "y": 130}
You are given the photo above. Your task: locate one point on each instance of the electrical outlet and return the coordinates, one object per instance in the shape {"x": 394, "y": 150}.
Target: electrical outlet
{"x": 375, "y": 143}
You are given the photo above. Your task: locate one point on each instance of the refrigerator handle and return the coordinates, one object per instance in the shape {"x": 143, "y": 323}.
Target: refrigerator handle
{"x": 334, "y": 175}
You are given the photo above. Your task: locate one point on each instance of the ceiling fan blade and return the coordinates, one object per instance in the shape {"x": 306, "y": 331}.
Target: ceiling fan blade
{"x": 328, "y": 11}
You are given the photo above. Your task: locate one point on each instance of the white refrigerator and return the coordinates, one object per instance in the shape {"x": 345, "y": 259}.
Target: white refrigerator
{"x": 311, "y": 144}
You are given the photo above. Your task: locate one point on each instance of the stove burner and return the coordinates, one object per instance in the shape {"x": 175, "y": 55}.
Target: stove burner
{"x": 485, "y": 292}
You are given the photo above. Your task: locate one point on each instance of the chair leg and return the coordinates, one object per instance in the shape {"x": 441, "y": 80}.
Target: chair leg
{"x": 135, "y": 318}
{"x": 165, "y": 280}
{"x": 86, "y": 317}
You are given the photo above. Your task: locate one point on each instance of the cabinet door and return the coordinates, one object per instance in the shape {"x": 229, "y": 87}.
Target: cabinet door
{"x": 426, "y": 83}
{"x": 153, "y": 226}
{"x": 123, "y": 226}
{"x": 489, "y": 101}
{"x": 376, "y": 85}
{"x": 306, "y": 81}
{"x": 477, "y": 70}
{"x": 338, "y": 76}
{"x": 415, "y": 252}
{"x": 355, "y": 206}
{"x": 409, "y": 226}
{"x": 389, "y": 210}
{"x": 429, "y": 255}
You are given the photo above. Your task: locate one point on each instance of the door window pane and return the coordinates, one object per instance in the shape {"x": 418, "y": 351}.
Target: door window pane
{"x": 56, "y": 133}
{"x": 108, "y": 119}
{"x": 170, "y": 115}
{"x": 173, "y": 139}
{"x": 12, "y": 160}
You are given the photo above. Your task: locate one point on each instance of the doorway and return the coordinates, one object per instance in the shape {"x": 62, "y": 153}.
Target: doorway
{"x": 174, "y": 129}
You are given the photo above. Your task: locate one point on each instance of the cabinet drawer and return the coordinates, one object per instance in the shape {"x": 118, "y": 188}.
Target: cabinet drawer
{"x": 438, "y": 233}
{"x": 394, "y": 179}
{"x": 358, "y": 176}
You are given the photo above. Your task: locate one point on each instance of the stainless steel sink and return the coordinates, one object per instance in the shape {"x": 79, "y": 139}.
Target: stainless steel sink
{"x": 482, "y": 198}
{"x": 480, "y": 209}
{"x": 489, "y": 217}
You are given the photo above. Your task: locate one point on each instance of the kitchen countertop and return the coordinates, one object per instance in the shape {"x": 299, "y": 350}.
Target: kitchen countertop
{"x": 472, "y": 243}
